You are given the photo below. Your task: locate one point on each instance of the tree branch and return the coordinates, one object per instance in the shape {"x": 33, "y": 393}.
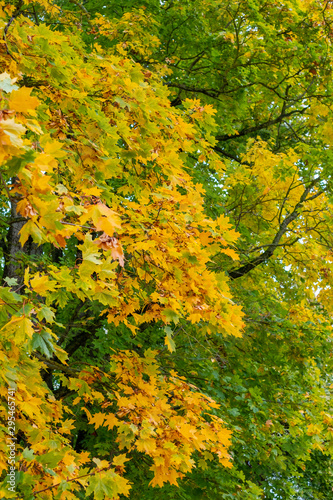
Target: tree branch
{"x": 56, "y": 366}
{"x": 209, "y": 92}
{"x": 230, "y": 156}
{"x": 250, "y": 130}
{"x": 74, "y": 479}
{"x": 16, "y": 13}
{"x": 246, "y": 268}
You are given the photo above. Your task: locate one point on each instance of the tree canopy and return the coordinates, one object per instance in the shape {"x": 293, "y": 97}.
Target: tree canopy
{"x": 166, "y": 205}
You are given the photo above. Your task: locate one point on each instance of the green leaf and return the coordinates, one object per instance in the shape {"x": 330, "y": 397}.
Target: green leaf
{"x": 168, "y": 339}
{"x": 50, "y": 459}
{"x": 122, "y": 103}
{"x": 46, "y": 313}
{"x": 11, "y": 281}
{"x": 28, "y": 454}
{"x": 170, "y": 315}
{"x": 43, "y": 341}
{"x": 7, "y": 85}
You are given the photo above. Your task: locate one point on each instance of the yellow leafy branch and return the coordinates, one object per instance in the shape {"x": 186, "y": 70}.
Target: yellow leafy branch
{"x": 73, "y": 479}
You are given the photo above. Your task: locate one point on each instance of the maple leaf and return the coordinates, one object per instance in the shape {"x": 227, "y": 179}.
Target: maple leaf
{"x": 11, "y": 132}
{"x": 168, "y": 339}
{"x": 97, "y": 419}
{"x": 110, "y": 243}
{"x": 7, "y": 83}
{"x": 22, "y": 101}
{"x": 102, "y": 158}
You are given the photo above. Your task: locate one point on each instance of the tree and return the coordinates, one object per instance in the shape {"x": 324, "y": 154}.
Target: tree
{"x": 166, "y": 242}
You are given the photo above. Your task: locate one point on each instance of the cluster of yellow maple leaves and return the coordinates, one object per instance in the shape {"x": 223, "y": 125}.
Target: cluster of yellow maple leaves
{"x": 94, "y": 119}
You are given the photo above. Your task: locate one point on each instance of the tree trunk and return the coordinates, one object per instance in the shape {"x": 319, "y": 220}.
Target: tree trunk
{"x": 13, "y": 250}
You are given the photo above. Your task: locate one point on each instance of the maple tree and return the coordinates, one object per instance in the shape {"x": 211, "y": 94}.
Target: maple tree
{"x": 167, "y": 248}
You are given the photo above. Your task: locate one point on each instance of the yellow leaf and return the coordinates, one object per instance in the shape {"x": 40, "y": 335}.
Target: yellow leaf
{"x": 101, "y": 464}
{"x": 21, "y": 101}
{"x": 30, "y": 229}
{"x": 21, "y": 327}
{"x": 31, "y": 406}
{"x": 13, "y": 131}
{"x": 54, "y": 148}
{"x": 97, "y": 419}
{"x": 67, "y": 425}
{"x": 186, "y": 430}
{"x": 42, "y": 285}
{"x": 111, "y": 421}
{"x": 42, "y": 183}
{"x": 106, "y": 225}
{"x": 169, "y": 342}
{"x": 314, "y": 430}
{"x": 120, "y": 460}
{"x": 231, "y": 253}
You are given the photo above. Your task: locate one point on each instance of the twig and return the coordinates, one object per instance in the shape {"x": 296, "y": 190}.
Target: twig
{"x": 56, "y": 366}
{"x": 237, "y": 273}
{"x": 16, "y": 13}
{"x": 84, "y": 10}
{"x": 73, "y": 479}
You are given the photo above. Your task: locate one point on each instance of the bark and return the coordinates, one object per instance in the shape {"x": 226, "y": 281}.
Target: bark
{"x": 13, "y": 247}
{"x": 13, "y": 250}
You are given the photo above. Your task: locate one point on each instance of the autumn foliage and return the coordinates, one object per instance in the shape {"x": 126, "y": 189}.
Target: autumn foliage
{"x": 166, "y": 249}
